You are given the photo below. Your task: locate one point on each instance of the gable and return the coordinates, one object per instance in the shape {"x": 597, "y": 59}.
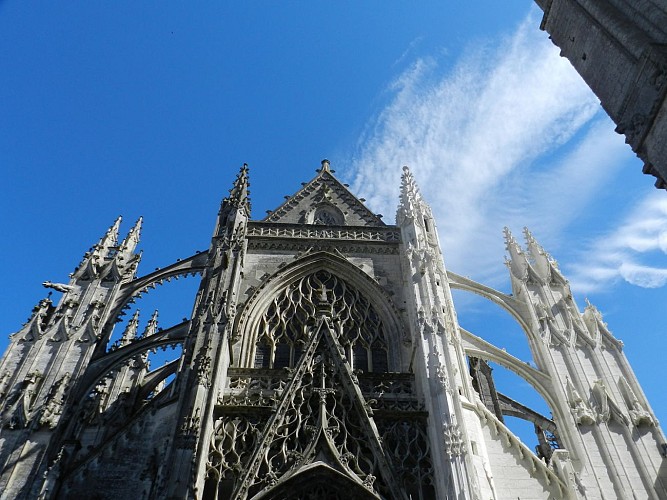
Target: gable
{"x": 324, "y": 201}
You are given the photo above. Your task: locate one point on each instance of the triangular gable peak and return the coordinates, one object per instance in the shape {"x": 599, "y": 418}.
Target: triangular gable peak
{"x": 324, "y": 200}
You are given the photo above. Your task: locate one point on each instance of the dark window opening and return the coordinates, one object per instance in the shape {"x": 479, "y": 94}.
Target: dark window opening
{"x": 282, "y": 356}
{"x": 262, "y": 356}
{"x": 379, "y": 357}
{"x": 360, "y": 358}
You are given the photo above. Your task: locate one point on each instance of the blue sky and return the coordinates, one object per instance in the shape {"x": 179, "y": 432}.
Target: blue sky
{"x": 149, "y": 109}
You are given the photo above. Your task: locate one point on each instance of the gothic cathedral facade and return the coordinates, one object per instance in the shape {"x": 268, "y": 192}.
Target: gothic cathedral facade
{"x": 323, "y": 360}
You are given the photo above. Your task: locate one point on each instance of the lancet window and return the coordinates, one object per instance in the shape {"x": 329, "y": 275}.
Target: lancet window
{"x": 286, "y": 326}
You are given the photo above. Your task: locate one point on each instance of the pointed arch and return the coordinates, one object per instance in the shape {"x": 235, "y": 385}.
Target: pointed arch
{"x": 318, "y": 481}
{"x": 479, "y": 348}
{"x": 129, "y": 291}
{"x": 100, "y": 367}
{"x": 247, "y": 322}
{"x": 511, "y": 305}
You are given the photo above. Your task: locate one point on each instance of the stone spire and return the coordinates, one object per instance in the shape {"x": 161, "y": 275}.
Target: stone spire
{"x": 235, "y": 208}
{"x": 540, "y": 259}
{"x": 132, "y": 239}
{"x": 239, "y": 196}
{"x": 534, "y": 247}
{"x": 110, "y": 239}
{"x": 102, "y": 249}
{"x": 130, "y": 332}
{"x": 108, "y": 253}
{"x": 409, "y": 190}
{"x": 410, "y": 198}
{"x": 151, "y": 327}
{"x": 517, "y": 262}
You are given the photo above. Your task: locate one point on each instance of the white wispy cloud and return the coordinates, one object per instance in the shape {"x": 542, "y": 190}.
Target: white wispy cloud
{"x": 630, "y": 251}
{"x": 509, "y": 136}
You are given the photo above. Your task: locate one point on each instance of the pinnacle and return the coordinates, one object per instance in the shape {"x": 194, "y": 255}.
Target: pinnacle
{"x": 531, "y": 241}
{"x": 110, "y": 238}
{"x": 509, "y": 238}
{"x": 537, "y": 251}
{"x": 528, "y": 235}
{"x": 132, "y": 239}
{"x": 104, "y": 245}
{"x": 590, "y": 306}
{"x": 131, "y": 329}
{"x": 517, "y": 263}
{"x": 151, "y": 327}
{"x": 411, "y": 203}
{"x": 409, "y": 189}
{"x": 407, "y": 179}
{"x": 239, "y": 195}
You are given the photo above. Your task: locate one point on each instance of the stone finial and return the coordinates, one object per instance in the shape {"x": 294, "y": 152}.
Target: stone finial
{"x": 411, "y": 206}
{"x": 410, "y": 199}
{"x": 540, "y": 259}
{"x": 130, "y": 332}
{"x": 518, "y": 263}
{"x": 326, "y": 167}
{"x": 151, "y": 327}
{"x": 132, "y": 239}
{"x": 104, "y": 246}
{"x": 239, "y": 195}
{"x": 509, "y": 238}
{"x": 110, "y": 239}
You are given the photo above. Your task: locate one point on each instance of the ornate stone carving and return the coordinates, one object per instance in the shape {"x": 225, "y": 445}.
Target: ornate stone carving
{"x": 203, "y": 365}
{"x": 188, "y": 430}
{"x": 377, "y": 234}
{"x": 603, "y": 410}
{"x": 441, "y": 373}
{"x": 54, "y": 402}
{"x": 323, "y": 245}
{"x": 17, "y": 412}
{"x": 638, "y": 414}
{"x": 582, "y": 413}
{"x": 320, "y": 394}
{"x": 454, "y": 445}
{"x": 286, "y": 326}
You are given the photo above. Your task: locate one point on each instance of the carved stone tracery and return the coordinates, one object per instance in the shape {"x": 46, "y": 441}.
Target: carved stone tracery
{"x": 284, "y": 328}
{"x": 320, "y": 403}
